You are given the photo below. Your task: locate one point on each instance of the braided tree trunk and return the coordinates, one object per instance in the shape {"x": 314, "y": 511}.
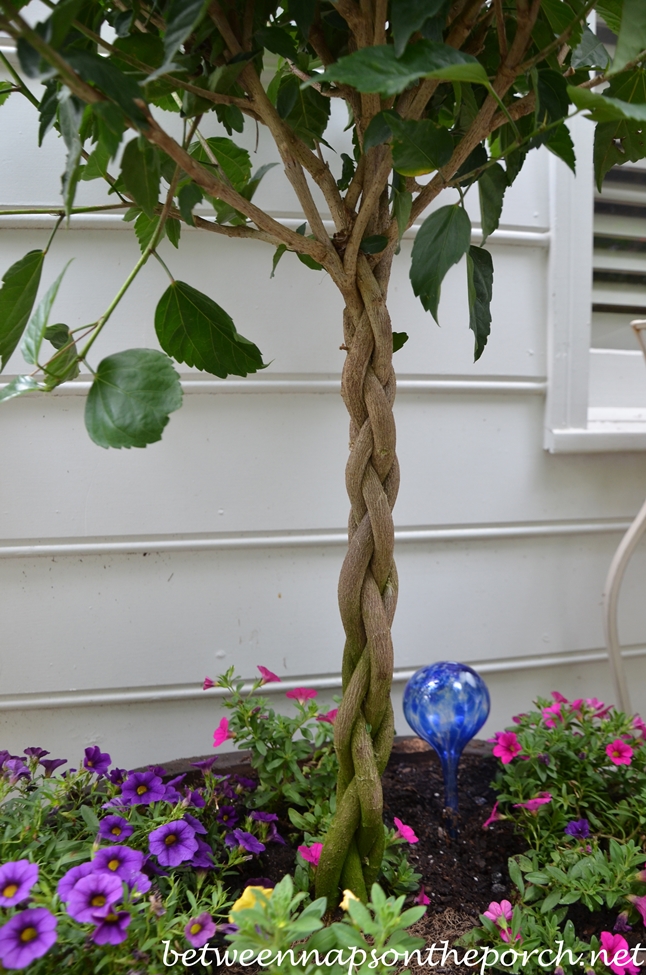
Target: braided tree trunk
{"x": 364, "y": 726}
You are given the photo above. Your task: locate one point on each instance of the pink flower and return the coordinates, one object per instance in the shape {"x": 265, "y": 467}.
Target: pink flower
{"x": 499, "y": 912}
{"x": 504, "y": 935}
{"x": 639, "y": 725}
{"x": 617, "y": 954}
{"x": 329, "y": 716}
{"x": 517, "y": 718}
{"x": 311, "y": 853}
{"x": 558, "y": 697}
{"x": 598, "y": 706}
{"x": 301, "y": 694}
{"x": 493, "y": 817}
{"x": 551, "y": 713}
{"x": 422, "y": 898}
{"x": 405, "y": 831}
{"x": 208, "y": 683}
{"x": 507, "y": 746}
{"x": 639, "y": 903}
{"x": 222, "y": 732}
{"x": 268, "y": 677}
{"x": 619, "y": 752}
{"x": 532, "y": 805}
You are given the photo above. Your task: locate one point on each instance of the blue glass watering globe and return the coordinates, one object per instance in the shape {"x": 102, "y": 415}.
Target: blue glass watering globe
{"x": 446, "y": 704}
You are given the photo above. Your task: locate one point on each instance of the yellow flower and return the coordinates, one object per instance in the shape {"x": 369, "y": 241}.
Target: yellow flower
{"x": 347, "y": 897}
{"x": 250, "y": 898}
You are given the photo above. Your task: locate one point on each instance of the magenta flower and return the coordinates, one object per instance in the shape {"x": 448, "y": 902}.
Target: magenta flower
{"x": 495, "y": 815}
{"x": 329, "y": 716}
{"x": 268, "y": 676}
{"x": 94, "y": 895}
{"x": 96, "y": 761}
{"x": 16, "y": 880}
{"x": 199, "y": 930}
{"x": 111, "y": 929}
{"x": 246, "y": 840}
{"x": 499, "y": 913}
{"x": 173, "y": 843}
{"x": 507, "y": 746}
{"x": 114, "y": 829}
{"x": 142, "y": 787}
{"x": 532, "y": 805}
{"x": 312, "y": 853}
{"x": 222, "y": 732}
{"x": 616, "y": 954}
{"x": 639, "y": 725}
{"x": 27, "y": 936}
{"x": 69, "y": 880}
{"x": 118, "y": 860}
{"x": 208, "y": 684}
{"x": 406, "y": 832}
{"x": 550, "y": 715}
{"x": 301, "y": 694}
{"x": 558, "y": 697}
{"x": 619, "y": 752}
{"x": 640, "y": 904}
{"x": 504, "y": 936}
{"x": 601, "y": 709}
{"x": 422, "y": 898}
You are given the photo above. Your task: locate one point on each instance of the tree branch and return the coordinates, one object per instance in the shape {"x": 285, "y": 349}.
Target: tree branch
{"x": 369, "y": 200}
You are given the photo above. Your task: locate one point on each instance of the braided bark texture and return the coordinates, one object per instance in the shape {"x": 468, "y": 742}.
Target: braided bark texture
{"x": 364, "y": 726}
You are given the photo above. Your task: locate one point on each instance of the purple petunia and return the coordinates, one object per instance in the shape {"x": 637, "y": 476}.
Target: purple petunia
{"x": 247, "y": 841}
{"x": 18, "y": 770}
{"x": 118, "y": 860}
{"x": 202, "y": 859}
{"x": 264, "y": 817}
{"x": 194, "y": 823}
{"x": 227, "y": 815}
{"x": 206, "y": 764}
{"x": 579, "y": 828}
{"x": 118, "y": 776}
{"x": 27, "y": 936}
{"x": 199, "y": 930}
{"x": 142, "y": 787}
{"x": 273, "y": 836}
{"x": 96, "y": 761}
{"x": 16, "y": 880}
{"x": 170, "y": 791}
{"x": 245, "y": 784}
{"x": 114, "y": 829}
{"x": 195, "y": 799}
{"x": 35, "y": 752}
{"x": 173, "y": 843}
{"x": 51, "y": 764}
{"x": 111, "y": 929}
{"x": 94, "y": 895}
{"x": 139, "y": 883}
{"x": 69, "y": 880}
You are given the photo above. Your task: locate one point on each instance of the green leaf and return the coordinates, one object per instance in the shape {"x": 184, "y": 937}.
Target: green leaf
{"x": 249, "y": 190}
{"x": 590, "y": 53}
{"x": 551, "y": 96}
{"x": 277, "y": 41}
{"x": 145, "y": 227}
{"x": 131, "y": 397}
{"x": 35, "y": 331}
{"x": 234, "y": 162}
{"x": 110, "y": 126}
{"x": 119, "y": 87}
{"x": 480, "y": 287}
{"x": 70, "y": 116}
{"x": 399, "y": 340}
{"x": 622, "y": 140}
{"x": 59, "y": 24}
{"x": 408, "y": 16}
{"x": 278, "y": 253}
{"x": 188, "y": 197}
{"x": 5, "y": 90}
{"x": 181, "y": 19}
{"x": 604, "y": 108}
{"x": 420, "y": 147}
{"x": 97, "y": 165}
{"x": 550, "y": 901}
{"x": 560, "y": 16}
{"x": 491, "y": 187}
{"x": 347, "y": 172}
{"x": 560, "y": 143}
{"x": 18, "y": 386}
{"x": 379, "y": 129}
{"x": 63, "y": 365}
{"x": 378, "y": 70}
{"x": 173, "y": 230}
{"x": 373, "y": 244}
{"x": 304, "y": 109}
{"x": 516, "y": 875}
{"x": 302, "y": 12}
{"x": 47, "y": 109}
{"x": 610, "y": 10}
{"x": 193, "y": 329}
{"x": 402, "y": 206}
{"x": 141, "y": 174}
{"x": 632, "y": 35}
{"x": 17, "y": 297}
{"x": 90, "y": 818}
{"x": 441, "y": 241}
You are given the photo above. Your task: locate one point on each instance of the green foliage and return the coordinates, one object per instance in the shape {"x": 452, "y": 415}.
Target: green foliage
{"x": 140, "y": 171}
{"x": 491, "y": 187}
{"x": 17, "y": 297}
{"x": 480, "y": 287}
{"x": 441, "y": 241}
{"x": 35, "y": 331}
{"x": 632, "y": 35}
{"x": 130, "y": 399}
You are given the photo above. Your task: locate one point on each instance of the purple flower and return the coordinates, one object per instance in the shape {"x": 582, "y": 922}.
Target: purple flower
{"x": 117, "y": 775}
{"x": 4, "y": 755}
{"x": 203, "y": 857}
{"x": 139, "y": 883}
{"x": 206, "y": 764}
{"x": 27, "y": 936}
{"x": 51, "y": 764}
{"x": 18, "y": 770}
{"x": 227, "y": 815}
{"x": 35, "y": 752}
{"x": 260, "y": 882}
{"x": 94, "y": 895}
{"x": 158, "y": 770}
{"x": 245, "y": 783}
{"x": 194, "y": 823}
{"x": 273, "y": 836}
{"x": 142, "y": 787}
{"x": 119, "y": 860}
{"x": 264, "y": 817}
{"x": 579, "y": 828}
{"x": 111, "y": 929}
{"x": 248, "y": 842}
{"x": 171, "y": 794}
{"x": 173, "y": 843}
{"x": 114, "y": 829}
{"x": 96, "y": 761}
{"x": 16, "y": 880}
{"x": 195, "y": 798}
{"x": 69, "y": 880}
{"x": 152, "y": 869}
{"x": 621, "y": 924}
{"x": 199, "y": 930}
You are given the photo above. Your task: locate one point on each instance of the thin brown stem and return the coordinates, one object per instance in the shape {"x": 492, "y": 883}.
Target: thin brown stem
{"x": 500, "y": 29}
